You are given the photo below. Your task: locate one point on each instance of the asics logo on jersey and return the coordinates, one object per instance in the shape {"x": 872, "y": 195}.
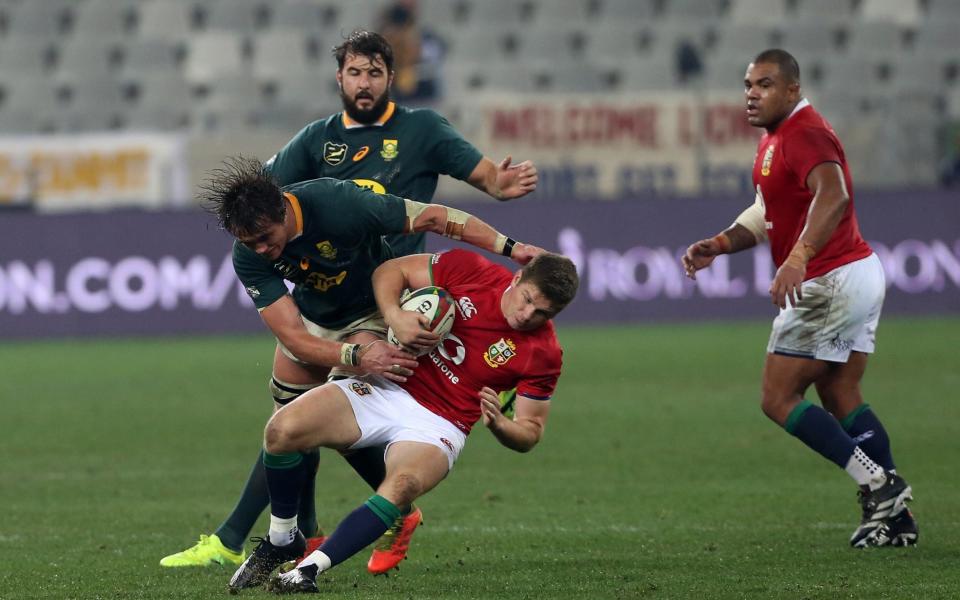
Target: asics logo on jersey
{"x": 361, "y": 153}
{"x": 467, "y": 307}
{"x": 334, "y": 153}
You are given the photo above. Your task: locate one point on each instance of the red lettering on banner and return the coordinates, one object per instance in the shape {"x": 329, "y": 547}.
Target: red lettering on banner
{"x": 726, "y": 124}
{"x": 576, "y": 125}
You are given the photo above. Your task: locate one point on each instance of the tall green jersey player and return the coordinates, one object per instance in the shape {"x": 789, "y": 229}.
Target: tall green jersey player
{"x": 387, "y": 147}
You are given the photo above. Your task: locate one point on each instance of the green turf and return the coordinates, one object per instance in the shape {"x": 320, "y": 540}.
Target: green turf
{"x": 658, "y": 478}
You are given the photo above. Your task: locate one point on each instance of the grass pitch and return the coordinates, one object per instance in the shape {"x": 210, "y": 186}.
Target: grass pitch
{"x": 658, "y": 477}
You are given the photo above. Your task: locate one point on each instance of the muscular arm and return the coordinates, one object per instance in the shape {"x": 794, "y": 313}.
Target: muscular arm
{"x": 283, "y": 319}
{"x": 525, "y": 430}
{"x": 700, "y": 254}
{"x": 503, "y": 181}
{"x": 830, "y": 200}
{"x": 458, "y": 225}
{"x": 389, "y": 281}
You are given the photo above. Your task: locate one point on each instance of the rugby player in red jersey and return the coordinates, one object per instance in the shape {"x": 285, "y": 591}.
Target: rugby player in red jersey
{"x": 502, "y": 338}
{"x": 829, "y": 287}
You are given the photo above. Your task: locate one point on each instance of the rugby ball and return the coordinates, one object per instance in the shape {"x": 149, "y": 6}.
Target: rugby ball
{"x": 434, "y": 303}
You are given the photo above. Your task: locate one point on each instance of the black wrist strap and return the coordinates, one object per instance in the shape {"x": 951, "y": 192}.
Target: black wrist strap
{"x": 508, "y": 247}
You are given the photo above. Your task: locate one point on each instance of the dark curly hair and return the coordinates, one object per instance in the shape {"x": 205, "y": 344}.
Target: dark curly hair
{"x": 361, "y": 42}
{"x": 243, "y": 196}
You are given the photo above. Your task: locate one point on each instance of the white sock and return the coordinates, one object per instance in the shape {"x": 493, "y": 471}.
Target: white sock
{"x": 321, "y": 560}
{"x": 864, "y": 471}
{"x": 282, "y": 531}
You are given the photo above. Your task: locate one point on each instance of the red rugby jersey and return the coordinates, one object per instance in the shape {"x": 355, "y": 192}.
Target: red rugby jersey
{"x": 481, "y": 349}
{"x": 785, "y": 158}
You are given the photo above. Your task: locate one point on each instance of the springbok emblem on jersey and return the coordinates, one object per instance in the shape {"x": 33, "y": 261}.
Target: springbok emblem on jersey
{"x": 767, "y": 160}
{"x": 500, "y": 353}
{"x": 326, "y": 250}
{"x": 390, "y": 150}
{"x": 334, "y": 153}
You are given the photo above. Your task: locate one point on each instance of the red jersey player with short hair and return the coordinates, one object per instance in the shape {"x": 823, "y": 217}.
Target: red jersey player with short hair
{"x": 829, "y": 287}
{"x": 502, "y": 339}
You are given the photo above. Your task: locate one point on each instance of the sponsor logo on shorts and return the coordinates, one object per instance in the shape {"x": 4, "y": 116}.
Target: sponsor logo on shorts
{"x": 390, "y": 150}
{"x": 334, "y": 153}
{"x": 447, "y": 443}
{"x": 467, "y": 307}
{"x": 360, "y": 389}
{"x": 500, "y": 353}
{"x": 253, "y": 292}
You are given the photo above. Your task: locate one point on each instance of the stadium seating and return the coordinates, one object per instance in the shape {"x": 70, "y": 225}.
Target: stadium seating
{"x": 180, "y": 63}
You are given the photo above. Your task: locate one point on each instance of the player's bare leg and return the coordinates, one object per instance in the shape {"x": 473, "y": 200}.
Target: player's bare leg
{"x": 839, "y": 390}
{"x": 413, "y": 469}
{"x": 883, "y": 495}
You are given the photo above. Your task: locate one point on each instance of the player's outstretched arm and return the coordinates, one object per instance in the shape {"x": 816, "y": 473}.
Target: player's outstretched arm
{"x": 283, "y": 319}
{"x": 504, "y": 181}
{"x": 700, "y": 254}
{"x": 459, "y": 225}
{"x": 525, "y": 430}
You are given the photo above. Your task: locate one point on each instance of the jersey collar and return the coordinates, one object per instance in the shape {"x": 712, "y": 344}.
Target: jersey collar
{"x": 297, "y": 214}
{"x": 349, "y": 123}
{"x": 800, "y": 106}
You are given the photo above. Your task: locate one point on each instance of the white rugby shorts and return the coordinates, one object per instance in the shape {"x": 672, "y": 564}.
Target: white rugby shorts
{"x": 386, "y": 413}
{"x": 838, "y": 314}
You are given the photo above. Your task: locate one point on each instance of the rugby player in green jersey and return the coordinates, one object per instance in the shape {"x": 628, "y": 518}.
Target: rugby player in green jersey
{"x": 326, "y": 237}
{"x": 387, "y": 148}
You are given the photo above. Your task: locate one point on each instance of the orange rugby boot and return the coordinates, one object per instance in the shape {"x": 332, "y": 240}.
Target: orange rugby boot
{"x": 392, "y": 546}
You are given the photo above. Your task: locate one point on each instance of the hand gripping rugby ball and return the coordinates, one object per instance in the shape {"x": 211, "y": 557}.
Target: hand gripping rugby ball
{"x": 433, "y": 302}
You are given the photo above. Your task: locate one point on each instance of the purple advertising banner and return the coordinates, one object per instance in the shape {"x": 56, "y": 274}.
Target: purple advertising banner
{"x": 121, "y": 273}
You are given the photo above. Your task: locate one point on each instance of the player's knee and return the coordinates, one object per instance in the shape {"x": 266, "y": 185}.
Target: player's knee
{"x": 284, "y": 393}
{"x": 279, "y": 436}
{"x": 772, "y": 404}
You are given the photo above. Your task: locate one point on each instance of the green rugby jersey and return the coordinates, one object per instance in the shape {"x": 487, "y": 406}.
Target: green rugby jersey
{"x": 402, "y": 154}
{"x": 332, "y": 261}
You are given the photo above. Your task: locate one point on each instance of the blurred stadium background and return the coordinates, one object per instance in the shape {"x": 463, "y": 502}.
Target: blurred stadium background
{"x": 112, "y": 111}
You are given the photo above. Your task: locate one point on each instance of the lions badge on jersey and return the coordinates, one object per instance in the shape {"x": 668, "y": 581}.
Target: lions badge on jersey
{"x": 360, "y": 389}
{"x": 334, "y": 153}
{"x": 390, "y": 149}
{"x": 500, "y": 353}
{"x": 767, "y": 160}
